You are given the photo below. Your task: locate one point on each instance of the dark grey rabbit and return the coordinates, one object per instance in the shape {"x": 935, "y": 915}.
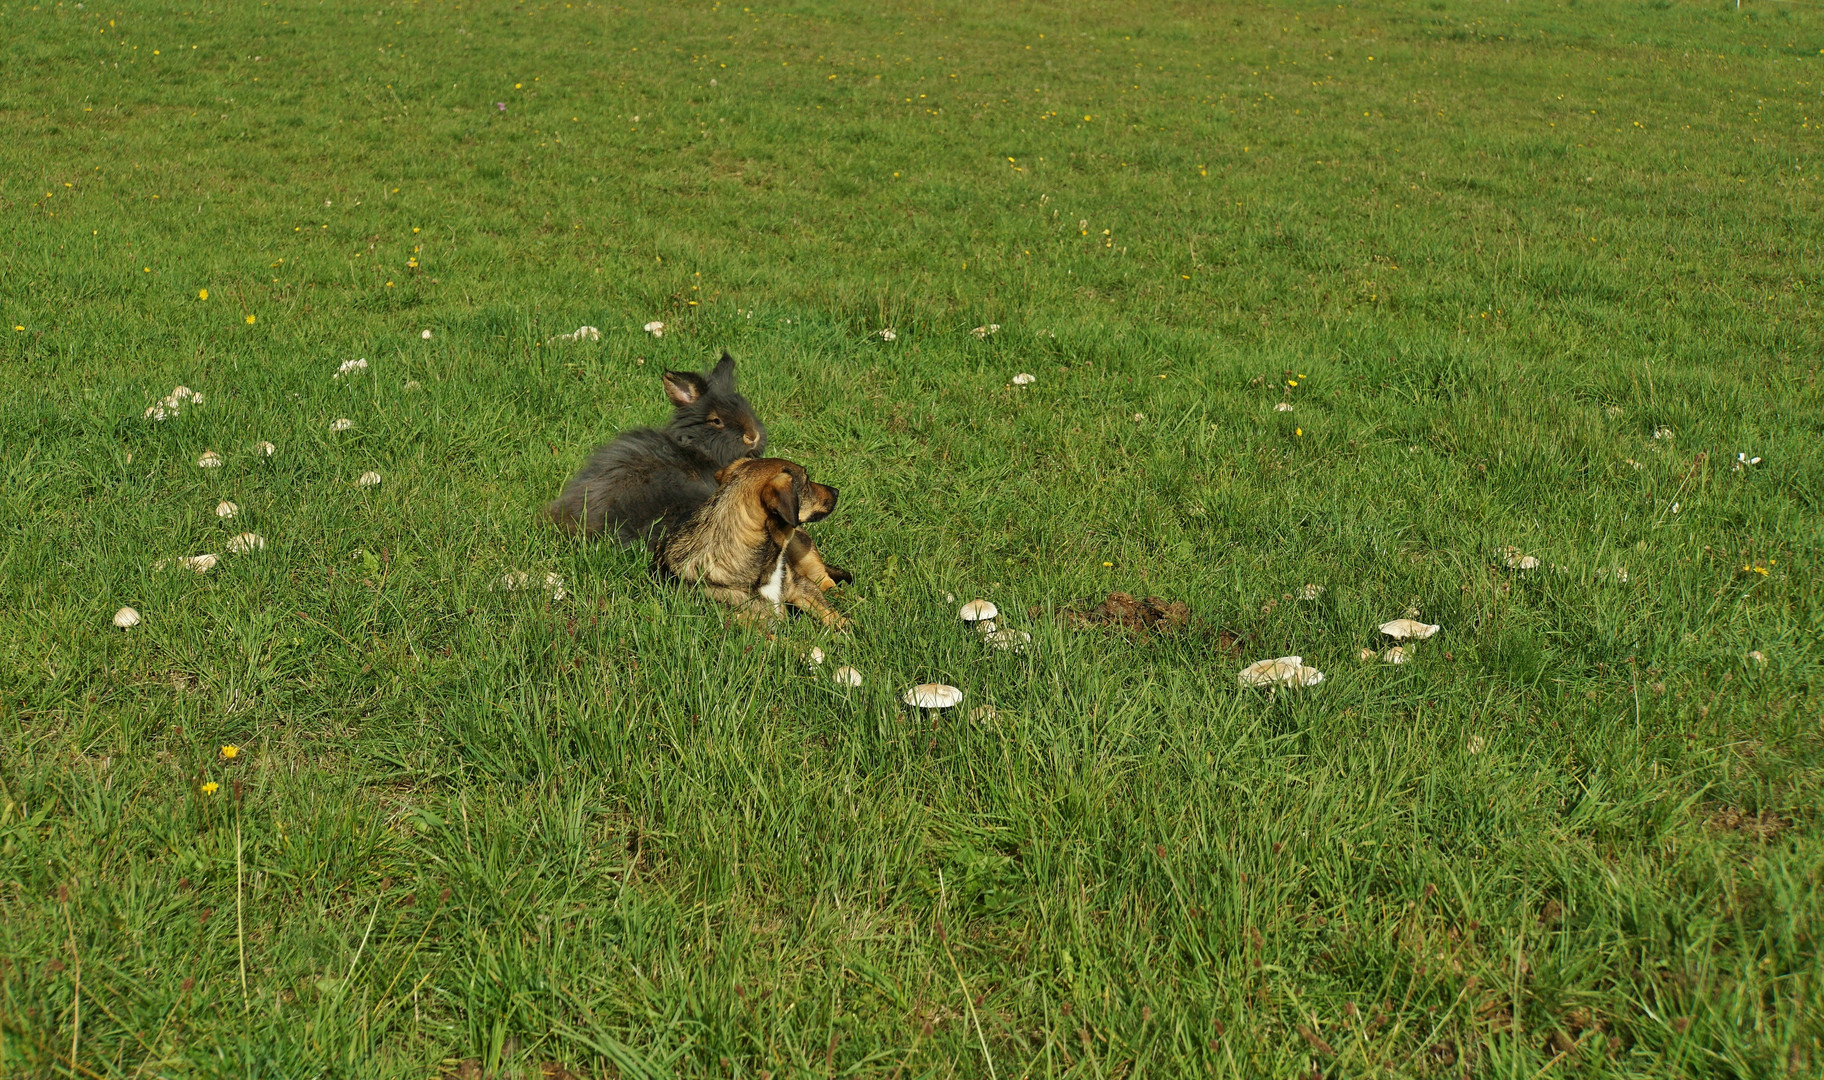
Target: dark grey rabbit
{"x": 648, "y": 481}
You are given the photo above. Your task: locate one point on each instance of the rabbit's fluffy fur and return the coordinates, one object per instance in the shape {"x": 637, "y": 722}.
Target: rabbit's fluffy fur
{"x": 745, "y": 547}
{"x": 649, "y": 481}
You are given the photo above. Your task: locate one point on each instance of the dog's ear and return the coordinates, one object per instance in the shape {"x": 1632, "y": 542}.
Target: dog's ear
{"x": 684, "y": 387}
{"x": 780, "y": 497}
{"x": 722, "y": 378}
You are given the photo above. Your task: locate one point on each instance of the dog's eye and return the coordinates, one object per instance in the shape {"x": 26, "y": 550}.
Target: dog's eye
{"x": 715, "y": 421}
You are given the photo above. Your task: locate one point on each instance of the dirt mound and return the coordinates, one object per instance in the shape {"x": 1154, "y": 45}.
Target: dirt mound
{"x": 1129, "y": 613}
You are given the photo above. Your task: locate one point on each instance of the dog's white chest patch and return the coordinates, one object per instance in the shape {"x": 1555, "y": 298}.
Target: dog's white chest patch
{"x": 773, "y": 592}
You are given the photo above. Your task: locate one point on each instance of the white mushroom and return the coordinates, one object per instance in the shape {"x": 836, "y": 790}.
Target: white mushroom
{"x": 888, "y": 335}
{"x": 1395, "y": 655}
{"x": 977, "y": 610}
{"x": 202, "y": 564}
{"x": 554, "y": 585}
{"x": 655, "y": 328}
{"x": 1312, "y": 592}
{"x": 1757, "y": 656}
{"x": 846, "y": 676}
{"x": 426, "y": 335}
{"x": 246, "y": 543}
{"x": 1285, "y": 671}
{"x": 226, "y": 509}
{"x": 1408, "y": 628}
{"x": 1367, "y": 654}
{"x": 412, "y": 386}
{"x": 209, "y": 460}
{"x": 1284, "y": 406}
{"x": 983, "y": 714}
{"x": 1516, "y": 561}
{"x": 341, "y": 423}
{"x": 126, "y": 618}
{"x": 1009, "y": 640}
{"x": 932, "y": 695}
{"x": 267, "y": 449}
{"x": 349, "y": 367}
{"x": 1024, "y": 379}
{"x": 369, "y": 478}
{"x": 514, "y": 579}
{"x": 816, "y": 656}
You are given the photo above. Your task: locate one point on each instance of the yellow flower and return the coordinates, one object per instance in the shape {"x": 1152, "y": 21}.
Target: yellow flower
{"x": 209, "y": 788}
{"x": 1108, "y": 564}
{"x": 202, "y": 294}
{"x": 250, "y": 320}
{"x": 18, "y": 328}
{"x": 230, "y": 751}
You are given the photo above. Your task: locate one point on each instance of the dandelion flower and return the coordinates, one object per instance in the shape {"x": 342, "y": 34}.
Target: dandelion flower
{"x": 1024, "y": 379}
{"x": 655, "y": 328}
{"x": 230, "y": 752}
{"x": 267, "y": 449}
{"x": 202, "y": 294}
{"x": 369, "y": 479}
{"x": 209, "y": 460}
{"x": 246, "y": 543}
{"x": 341, "y": 423}
{"x": 350, "y": 367}
{"x": 210, "y": 788}
{"x": 126, "y": 618}
{"x": 251, "y": 320}
{"x": 226, "y": 509}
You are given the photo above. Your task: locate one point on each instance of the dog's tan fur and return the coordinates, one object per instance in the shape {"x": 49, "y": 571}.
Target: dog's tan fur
{"x": 746, "y": 538}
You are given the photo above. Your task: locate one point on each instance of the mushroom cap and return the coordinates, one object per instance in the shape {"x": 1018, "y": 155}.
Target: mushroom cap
{"x": 267, "y": 448}
{"x": 1024, "y": 379}
{"x": 933, "y": 695}
{"x": 209, "y": 460}
{"x": 816, "y": 656}
{"x": 202, "y": 564}
{"x": 977, "y": 610}
{"x": 1009, "y": 640}
{"x": 1408, "y": 628}
{"x": 1395, "y": 655}
{"x": 226, "y": 509}
{"x": 846, "y": 676}
{"x": 369, "y": 479}
{"x": 986, "y": 626}
{"x": 246, "y": 542}
{"x": 1285, "y": 671}
{"x": 126, "y": 618}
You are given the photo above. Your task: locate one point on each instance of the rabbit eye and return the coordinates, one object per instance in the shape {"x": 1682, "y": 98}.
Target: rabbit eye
{"x": 715, "y": 421}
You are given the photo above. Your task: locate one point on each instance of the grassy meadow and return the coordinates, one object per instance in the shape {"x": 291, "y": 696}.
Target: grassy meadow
{"x": 1333, "y": 310}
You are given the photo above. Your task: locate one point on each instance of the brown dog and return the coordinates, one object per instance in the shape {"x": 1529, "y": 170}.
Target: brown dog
{"x": 745, "y": 547}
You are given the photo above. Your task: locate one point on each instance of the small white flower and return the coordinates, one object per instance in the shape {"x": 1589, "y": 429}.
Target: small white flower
{"x": 246, "y": 543}
{"x": 888, "y": 335}
{"x": 209, "y": 460}
{"x": 1311, "y": 592}
{"x": 426, "y": 335}
{"x": 555, "y": 586}
{"x": 1025, "y": 379}
{"x": 846, "y": 676}
{"x": 1475, "y": 745}
{"x": 350, "y": 367}
{"x": 369, "y": 479}
{"x": 226, "y": 509}
{"x": 655, "y": 328}
{"x": 266, "y": 449}
{"x": 1285, "y": 671}
{"x": 1284, "y": 406}
{"x": 341, "y": 423}
{"x": 126, "y": 618}
{"x": 1757, "y": 656}
{"x": 981, "y": 332}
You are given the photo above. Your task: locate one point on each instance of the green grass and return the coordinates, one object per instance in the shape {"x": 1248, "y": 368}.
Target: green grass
{"x": 471, "y": 831}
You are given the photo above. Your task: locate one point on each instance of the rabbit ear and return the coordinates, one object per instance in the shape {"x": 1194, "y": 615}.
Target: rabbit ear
{"x": 723, "y": 377}
{"x": 684, "y": 387}
{"x": 780, "y": 495}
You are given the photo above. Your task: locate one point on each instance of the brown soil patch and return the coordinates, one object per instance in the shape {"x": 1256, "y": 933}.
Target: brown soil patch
{"x": 1763, "y": 826}
{"x": 1130, "y": 613}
